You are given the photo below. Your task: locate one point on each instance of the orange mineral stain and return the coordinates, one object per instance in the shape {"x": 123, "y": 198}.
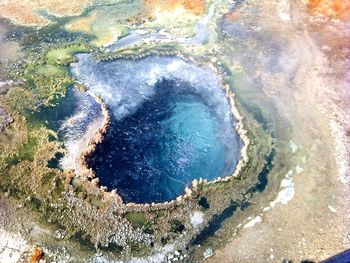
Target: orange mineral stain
{"x": 339, "y": 9}
{"x": 36, "y": 255}
{"x": 196, "y": 7}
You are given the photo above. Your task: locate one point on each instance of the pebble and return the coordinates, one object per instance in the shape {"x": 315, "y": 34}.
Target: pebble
{"x": 332, "y": 209}
{"x": 208, "y": 253}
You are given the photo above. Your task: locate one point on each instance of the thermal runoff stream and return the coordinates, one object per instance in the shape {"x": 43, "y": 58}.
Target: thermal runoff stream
{"x": 171, "y": 123}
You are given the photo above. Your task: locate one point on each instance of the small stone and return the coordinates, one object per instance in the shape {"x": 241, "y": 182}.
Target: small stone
{"x": 332, "y": 209}
{"x": 208, "y": 253}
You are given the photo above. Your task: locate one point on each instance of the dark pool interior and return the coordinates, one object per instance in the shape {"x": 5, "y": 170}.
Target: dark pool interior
{"x": 163, "y": 134}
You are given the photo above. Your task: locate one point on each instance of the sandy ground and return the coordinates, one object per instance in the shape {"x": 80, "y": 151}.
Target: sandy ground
{"x": 315, "y": 223}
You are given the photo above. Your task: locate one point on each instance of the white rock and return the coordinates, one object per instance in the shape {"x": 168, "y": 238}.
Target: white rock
{"x": 197, "y": 218}
{"x": 252, "y": 222}
{"x": 333, "y": 210}
{"x": 12, "y": 246}
{"x": 208, "y": 253}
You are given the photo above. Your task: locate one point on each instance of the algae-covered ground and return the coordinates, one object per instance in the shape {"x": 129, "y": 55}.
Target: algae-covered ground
{"x": 282, "y": 64}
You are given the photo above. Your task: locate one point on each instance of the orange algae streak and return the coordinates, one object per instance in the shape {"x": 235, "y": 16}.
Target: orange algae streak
{"x": 196, "y": 7}
{"x": 339, "y": 9}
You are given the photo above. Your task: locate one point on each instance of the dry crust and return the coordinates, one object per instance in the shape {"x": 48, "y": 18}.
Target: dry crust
{"x": 25, "y": 12}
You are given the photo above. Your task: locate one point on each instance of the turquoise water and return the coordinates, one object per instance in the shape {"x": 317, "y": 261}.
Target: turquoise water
{"x": 197, "y": 147}
{"x": 170, "y": 124}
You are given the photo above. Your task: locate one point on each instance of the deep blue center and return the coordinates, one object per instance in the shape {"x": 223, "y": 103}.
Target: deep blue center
{"x": 170, "y": 124}
{"x": 152, "y": 154}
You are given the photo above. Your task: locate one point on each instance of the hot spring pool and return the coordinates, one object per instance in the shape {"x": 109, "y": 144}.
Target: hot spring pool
{"x": 170, "y": 124}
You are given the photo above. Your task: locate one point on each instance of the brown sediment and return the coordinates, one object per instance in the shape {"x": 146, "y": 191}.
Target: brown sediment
{"x": 90, "y": 175}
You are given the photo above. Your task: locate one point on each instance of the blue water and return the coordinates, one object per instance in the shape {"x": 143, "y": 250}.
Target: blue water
{"x": 171, "y": 124}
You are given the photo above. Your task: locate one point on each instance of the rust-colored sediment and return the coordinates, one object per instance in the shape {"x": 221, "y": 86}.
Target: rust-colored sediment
{"x": 36, "y": 255}
{"x": 339, "y": 9}
{"x": 196, "y": 7}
